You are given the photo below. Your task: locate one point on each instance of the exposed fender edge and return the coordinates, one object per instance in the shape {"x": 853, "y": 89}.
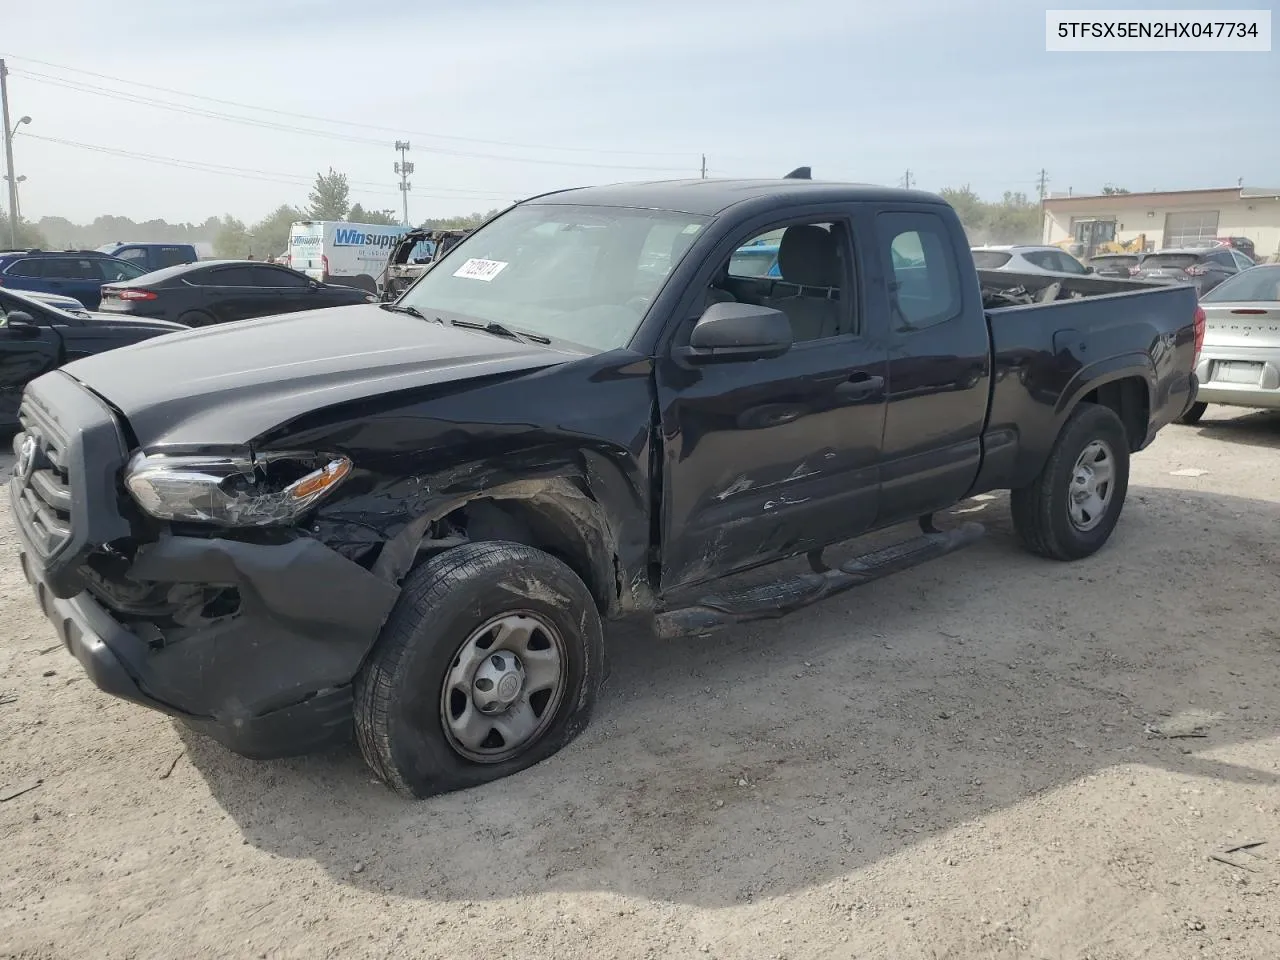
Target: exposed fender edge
{"x": 563, "y": 493}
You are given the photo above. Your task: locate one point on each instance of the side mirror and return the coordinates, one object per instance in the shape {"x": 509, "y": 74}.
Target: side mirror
{"x": 22, "y": 324}
{"x": 737, "y": 331}
{"x": 1089, "y": 270}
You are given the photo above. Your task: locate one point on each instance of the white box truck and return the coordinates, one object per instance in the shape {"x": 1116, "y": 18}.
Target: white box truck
{"x": 335, "y": 251}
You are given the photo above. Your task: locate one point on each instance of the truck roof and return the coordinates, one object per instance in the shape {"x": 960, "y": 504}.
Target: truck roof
{"x": 709, "y": 197}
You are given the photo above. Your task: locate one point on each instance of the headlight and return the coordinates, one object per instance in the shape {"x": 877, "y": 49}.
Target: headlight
{"x": 248, "y": 491}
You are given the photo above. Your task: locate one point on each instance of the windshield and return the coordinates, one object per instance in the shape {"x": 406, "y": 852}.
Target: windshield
{"x": 581, "y": 274}
{"x": 1257, "y": 284}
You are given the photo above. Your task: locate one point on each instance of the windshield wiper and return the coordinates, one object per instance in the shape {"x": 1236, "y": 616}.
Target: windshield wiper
{"x": 499, "y": 330}
{"x": 411, "y": 311}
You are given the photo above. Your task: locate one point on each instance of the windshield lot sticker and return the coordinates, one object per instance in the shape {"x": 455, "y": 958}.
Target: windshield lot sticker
{"x": 476, "y": 269}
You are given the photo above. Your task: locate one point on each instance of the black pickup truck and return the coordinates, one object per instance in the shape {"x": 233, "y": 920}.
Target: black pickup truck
{"x": 411, "y": 519}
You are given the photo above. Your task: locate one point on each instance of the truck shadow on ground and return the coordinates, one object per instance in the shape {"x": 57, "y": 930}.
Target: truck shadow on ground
{"x": 1259, "y": 428}
{"x": 779, "y": 756}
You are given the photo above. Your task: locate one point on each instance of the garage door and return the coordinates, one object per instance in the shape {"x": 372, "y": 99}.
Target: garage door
{"x": 1188, "y": 229}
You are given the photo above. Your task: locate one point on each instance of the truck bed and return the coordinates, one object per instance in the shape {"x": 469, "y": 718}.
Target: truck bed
{"x": 1053, "y": 352}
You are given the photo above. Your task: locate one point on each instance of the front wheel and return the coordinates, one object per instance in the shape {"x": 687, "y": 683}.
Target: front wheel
{"x": 489, "y": 663}
{"x": 1194, "y": 413}
{"x": 1070, "y": 509}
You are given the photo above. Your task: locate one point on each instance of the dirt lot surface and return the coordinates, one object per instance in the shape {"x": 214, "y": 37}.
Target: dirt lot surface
{"x": 989, "y": 756}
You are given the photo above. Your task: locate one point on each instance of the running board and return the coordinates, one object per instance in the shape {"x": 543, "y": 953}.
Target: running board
{"x": 772, "y": 600}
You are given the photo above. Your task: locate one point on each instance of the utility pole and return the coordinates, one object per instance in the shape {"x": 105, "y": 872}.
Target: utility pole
{"x": 404, "y": 168}
{"x": 704, "y": 166}
{"x": 8, "y": 155}
{"x": 1044, "y": 182}
{"x": 906, "y": 180}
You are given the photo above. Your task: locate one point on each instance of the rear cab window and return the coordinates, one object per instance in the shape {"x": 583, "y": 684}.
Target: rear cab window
{"x": 920, "y": 258}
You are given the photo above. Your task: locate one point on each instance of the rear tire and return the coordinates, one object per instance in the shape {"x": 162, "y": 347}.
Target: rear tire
{"x": 432, "y": 711}
{"x": 196, "y": 318}
{"x": 364, "y": 282}
{"x": 1194, "y": 413}
{"x": 1068, "y": 511}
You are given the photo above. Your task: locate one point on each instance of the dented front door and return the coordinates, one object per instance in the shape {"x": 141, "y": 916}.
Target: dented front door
{"x": 769, "y": 458}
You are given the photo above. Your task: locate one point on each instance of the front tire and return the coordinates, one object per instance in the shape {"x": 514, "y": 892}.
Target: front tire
{"x": 1194, "y": 413}
{"x": 490, "y": 662}
{"x": 1070, "y": 509}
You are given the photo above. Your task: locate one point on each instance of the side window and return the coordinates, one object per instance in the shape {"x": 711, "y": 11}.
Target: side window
{"x": 917, "y": 248}
{"x": 228, "y": 277}
{"x": 268, "y": 277}
{"x": 1068, "y": 263}
{"x": 758, "y": 257}
{"x": 1042, "y": 259}
{"x": 134, "y": 255}
{"x": 71, "y": 268}
{"x": 27, "y": 268}
{"x": 799, "y": 269}
{"x": 1222, "y": 258}
{"x": 1243, "y": 262}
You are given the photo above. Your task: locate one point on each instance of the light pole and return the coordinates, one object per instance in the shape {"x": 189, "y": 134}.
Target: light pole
{"x": 16, "y": 199}
{"x": 21, "y": 121}
{"x": 404, "y": 168}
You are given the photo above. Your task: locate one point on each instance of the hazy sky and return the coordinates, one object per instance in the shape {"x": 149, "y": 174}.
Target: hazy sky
{"x": 502, "y": 99}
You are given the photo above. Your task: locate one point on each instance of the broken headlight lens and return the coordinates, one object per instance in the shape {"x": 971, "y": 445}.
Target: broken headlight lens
{"x": 249, "y": 491}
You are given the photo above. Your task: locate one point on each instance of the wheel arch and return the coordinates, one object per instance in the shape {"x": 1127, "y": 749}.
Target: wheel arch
{"x": 553, "y": 514}
{"x": 1124, "y": 384}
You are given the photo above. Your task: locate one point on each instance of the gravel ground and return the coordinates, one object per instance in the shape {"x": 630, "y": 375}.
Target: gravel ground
{"x": 989, "y": 756}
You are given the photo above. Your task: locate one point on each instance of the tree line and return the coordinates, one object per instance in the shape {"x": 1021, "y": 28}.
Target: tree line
{"x": 230, "y": 237}
{"x": 1014, "y": 218}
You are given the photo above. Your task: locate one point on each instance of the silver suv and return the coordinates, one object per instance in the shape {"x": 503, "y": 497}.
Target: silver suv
{"x": 1028, "y": 259}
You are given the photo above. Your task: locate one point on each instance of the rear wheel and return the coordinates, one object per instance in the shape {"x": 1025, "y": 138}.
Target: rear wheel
{"x": 489, "y": 663}
{"x": 1194, "y": 413}
{"x": 1070, "y": 509}
{"x": 364, "y": 282}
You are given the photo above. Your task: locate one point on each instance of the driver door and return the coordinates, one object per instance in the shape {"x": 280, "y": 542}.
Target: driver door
{"x": 768, "y": 458}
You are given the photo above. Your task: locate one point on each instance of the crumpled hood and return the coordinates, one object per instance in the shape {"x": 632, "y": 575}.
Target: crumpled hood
{"x": 225, "y": 384}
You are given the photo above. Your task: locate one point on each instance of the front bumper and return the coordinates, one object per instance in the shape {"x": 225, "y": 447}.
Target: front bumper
{"x": 268, "y": 675}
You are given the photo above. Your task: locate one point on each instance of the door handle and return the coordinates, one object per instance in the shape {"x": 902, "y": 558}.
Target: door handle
{"x": 858, "y": 386}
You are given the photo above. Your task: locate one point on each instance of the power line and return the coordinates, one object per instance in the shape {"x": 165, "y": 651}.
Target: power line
{"x": 308, "y": 131}
{"x": 200, "y": 166}
{"x": 337, "y": 122}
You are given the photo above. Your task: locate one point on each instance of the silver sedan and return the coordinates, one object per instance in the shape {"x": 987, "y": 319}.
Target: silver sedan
{"x": 1240, "y": 362}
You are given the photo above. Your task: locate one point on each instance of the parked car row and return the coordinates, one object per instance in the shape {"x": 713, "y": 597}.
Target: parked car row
{"x": 221, "y": 291}
{"x": 1202, "y": 267}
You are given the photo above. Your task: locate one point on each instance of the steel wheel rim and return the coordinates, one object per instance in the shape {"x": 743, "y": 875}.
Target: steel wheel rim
{"x": 1093, "y": 481}
{"x": 504, "y": 687}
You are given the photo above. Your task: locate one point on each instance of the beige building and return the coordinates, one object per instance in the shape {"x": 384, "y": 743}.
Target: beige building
{"x": 1172, "y": 219}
